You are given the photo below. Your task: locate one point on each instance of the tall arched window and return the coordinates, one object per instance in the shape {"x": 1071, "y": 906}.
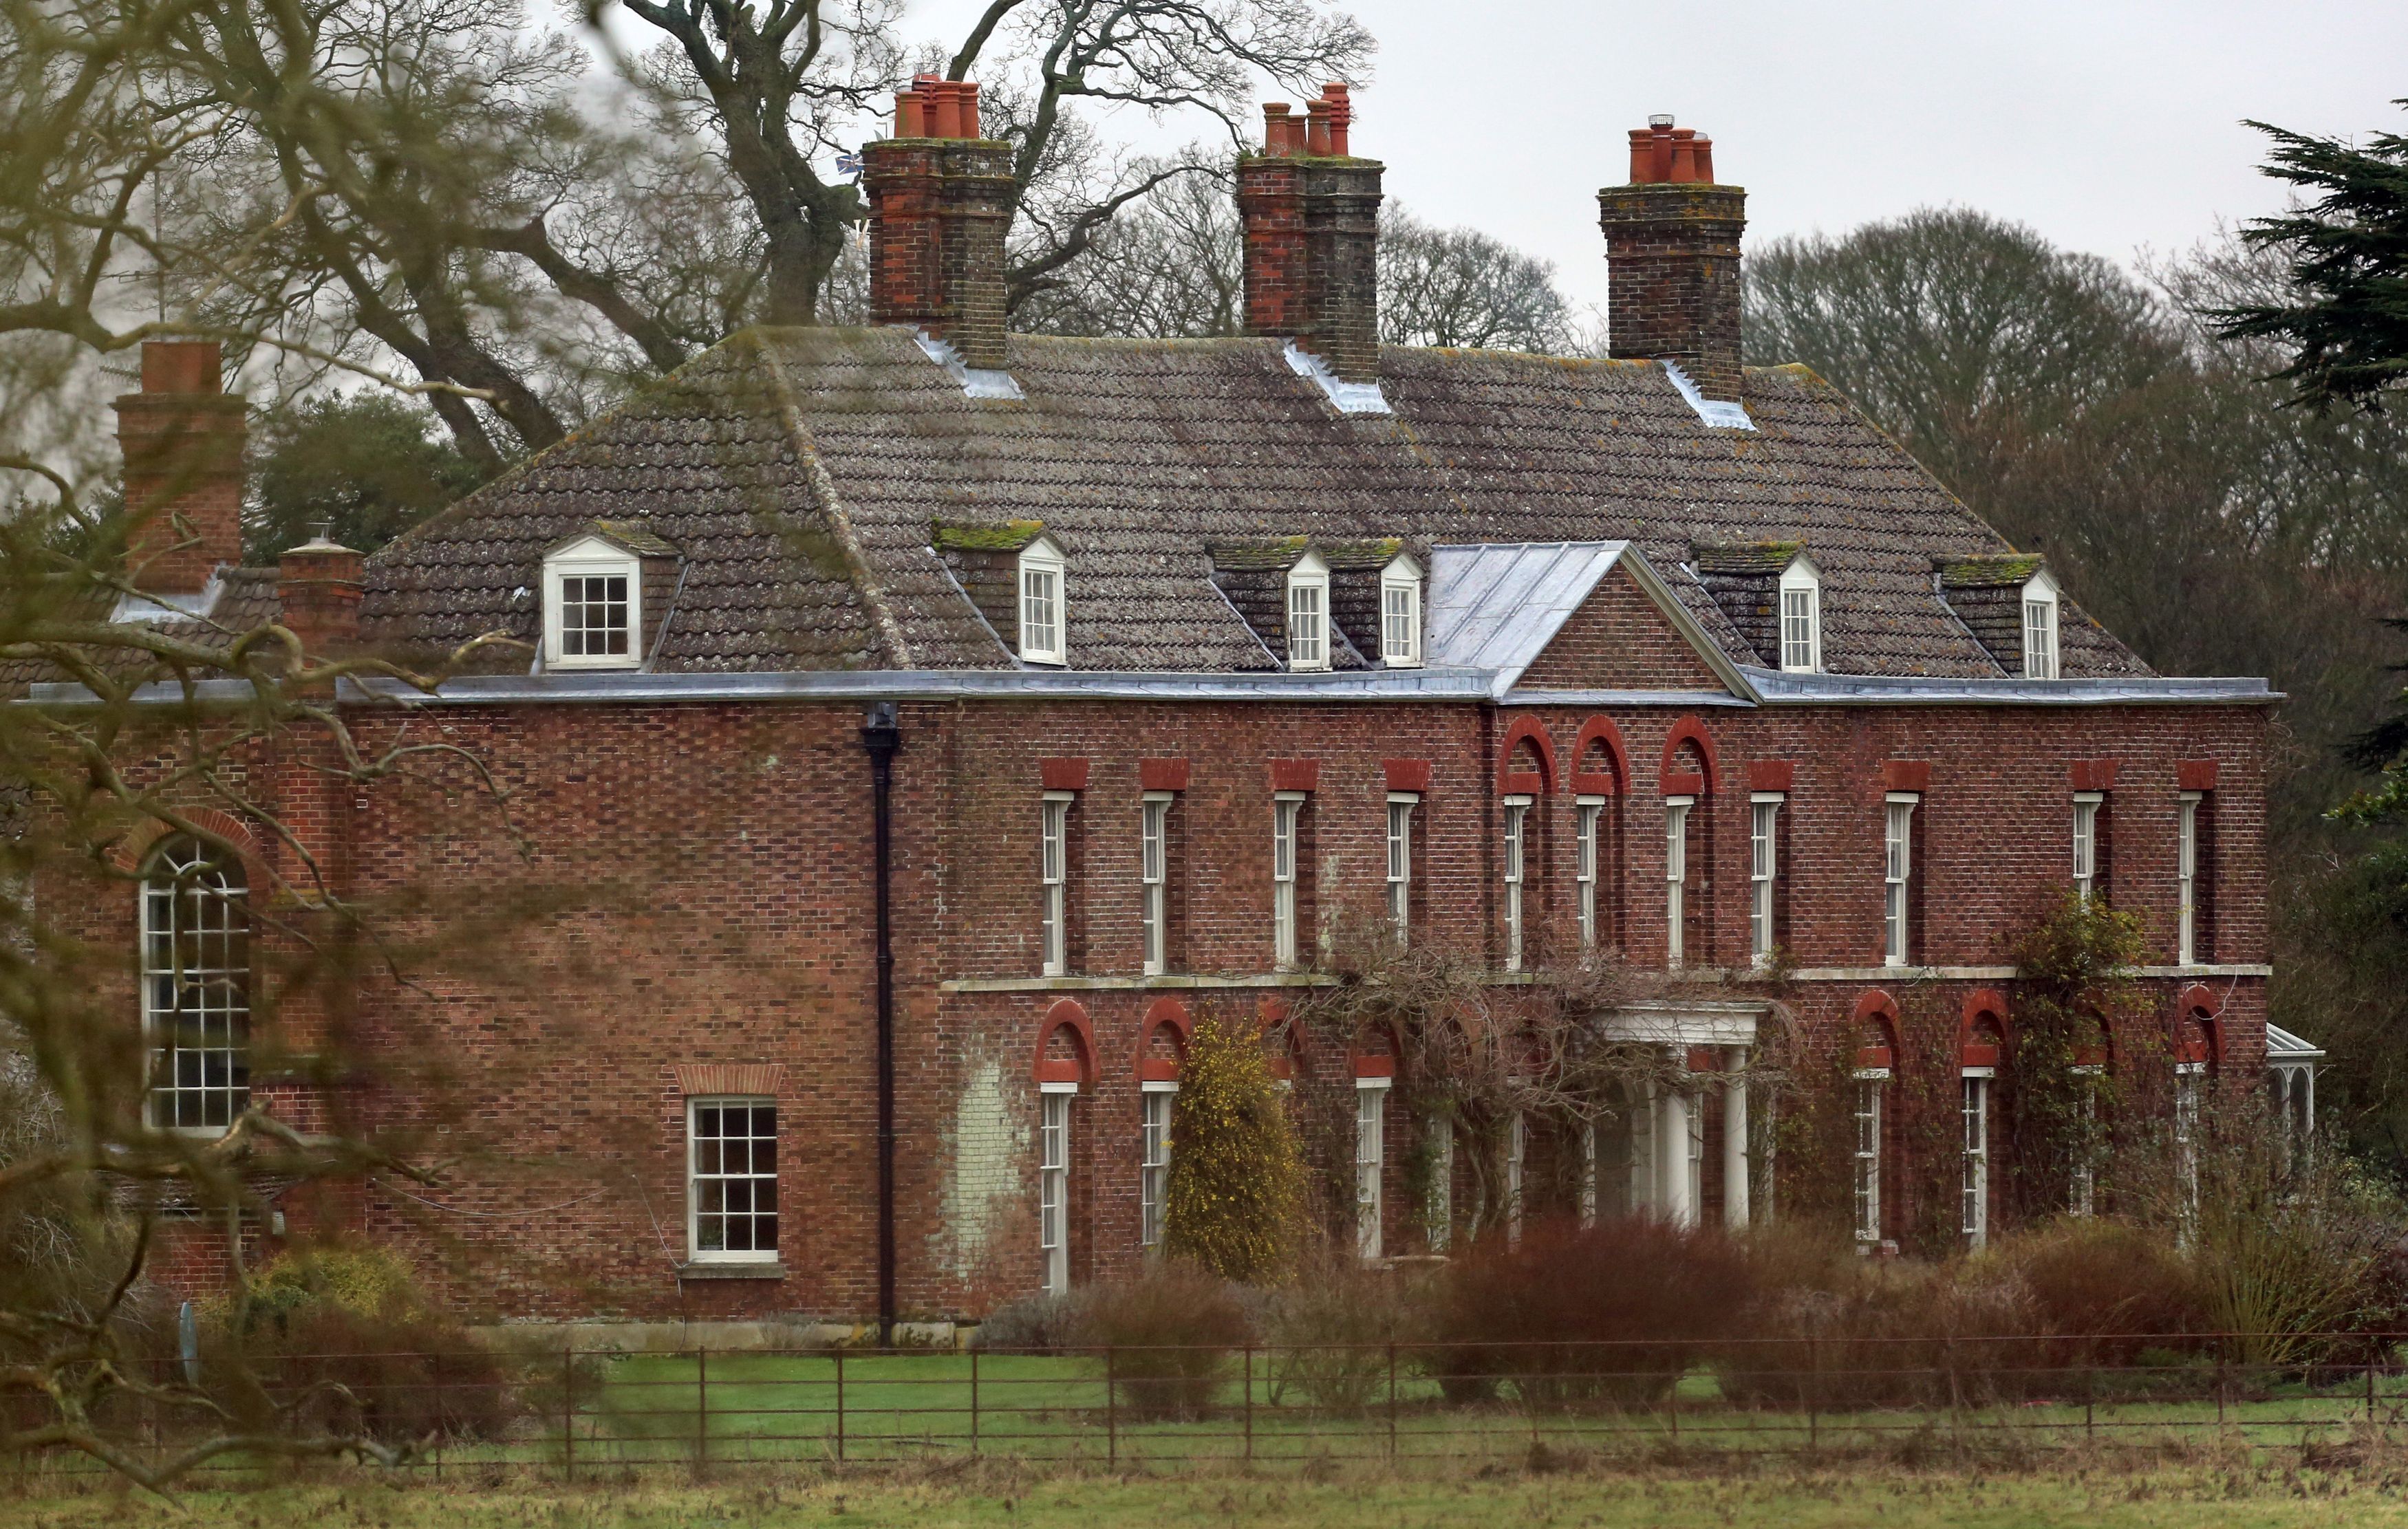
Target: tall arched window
{"x": 195, "y": 987}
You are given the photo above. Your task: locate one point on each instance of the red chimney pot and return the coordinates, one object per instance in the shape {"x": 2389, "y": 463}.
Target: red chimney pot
{"x": 1342, "y": 114}
{"x": 1685, "y": 156}
{"x": 1316, "y": 127}
{"x": 1643, "y": 156}
{"x": 907, "y": 116}
{"x": 1705, "y": 148}
{"x": 969, "y": 108}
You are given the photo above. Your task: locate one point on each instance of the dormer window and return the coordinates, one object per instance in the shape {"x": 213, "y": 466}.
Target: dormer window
{"x": 1043, "y": 606}
{"x": 1400, "y": 614}
{"x": 2040, "y": 627}
{"x": 1801, "y": 617}
{"x": 1307, "y": 614}
{"x": 593, "y": 596}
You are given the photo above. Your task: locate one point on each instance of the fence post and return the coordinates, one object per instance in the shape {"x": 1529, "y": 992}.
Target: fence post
{"x": 1111, "y": 1412}
{"x": 568, "y": 1408}
{"x": 1813, "y": 1394}
{"x": 974, "y": 1401}
{"x": 840, "y": 1405}
{"x": 1249, "y": 1401}
{"x": 2090, "y": 1401}
{"x": 1673, "y": 1406}
{"x": 701, "y": 1409}
{"x": 1392, "y": 1400}
{"x": 442, "y": 1431}
{"x": 2369, "y": 1390}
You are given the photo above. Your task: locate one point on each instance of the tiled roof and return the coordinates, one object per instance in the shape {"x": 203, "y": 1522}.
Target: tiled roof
{"x": 802, "y": 473}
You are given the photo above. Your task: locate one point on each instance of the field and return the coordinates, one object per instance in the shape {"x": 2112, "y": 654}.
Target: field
{"x": 2105, "y": 1492}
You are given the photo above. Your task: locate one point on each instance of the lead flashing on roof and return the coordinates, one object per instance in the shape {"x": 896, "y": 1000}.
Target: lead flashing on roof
{"x": 1442, "y": 685}
{"x": 976, "y": 381}
{"x": 1776, "y": 687}
{"x": 133, "y": 609}
{"x": 1717, "y": 416}
{"x": 1349, "y": 397}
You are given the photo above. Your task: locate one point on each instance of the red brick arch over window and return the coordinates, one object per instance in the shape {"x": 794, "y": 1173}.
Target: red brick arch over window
{"x": 1375, "y": 1051}
{"x": 2198, "y": 1035}
{"x": 1876, "y": 1017}
{"x": 130, "y": 852}
{"x": 1068, "y": 1018}
{"x": 1512, "y": 778}
{"x": 1286, "y": 1057}
{"x": 1166, "y": 1019}
{"x": 1701, "y": 782}
{"x": 1599, "y": 736}
{"x": 1982, "y": 1038}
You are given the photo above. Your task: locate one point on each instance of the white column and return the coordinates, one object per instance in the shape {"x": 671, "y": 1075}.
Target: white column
{"x": 1680, "y": 1190}
{"x": 1735, "y": 1184}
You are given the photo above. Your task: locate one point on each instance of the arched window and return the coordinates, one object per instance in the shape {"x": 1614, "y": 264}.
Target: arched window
{"x": 1801, "y": 617}
{"x": 195, "y": 987}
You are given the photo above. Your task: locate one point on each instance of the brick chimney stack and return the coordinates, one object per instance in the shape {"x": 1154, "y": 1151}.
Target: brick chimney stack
{"x": 1671, "y": 251}
{"x": 940, "y": 203}
{"x": 318, "y": 584}
{"x": 182, "y": 436}
{"x": 1312, "y": 216}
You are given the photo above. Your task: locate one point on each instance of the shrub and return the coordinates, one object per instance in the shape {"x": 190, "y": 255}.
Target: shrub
{"x": 1036, "y": 1324}
{"x": 1334, "y": 1330}
{"x": 1616, "y": 1311}
{"x": 341, "y": 1337}
{"x": 1169, "y": 1333}
{"x": 1237, "y": 1179}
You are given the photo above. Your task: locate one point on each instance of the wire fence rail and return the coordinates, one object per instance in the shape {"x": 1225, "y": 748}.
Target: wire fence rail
{"x": 569, "y": 1412}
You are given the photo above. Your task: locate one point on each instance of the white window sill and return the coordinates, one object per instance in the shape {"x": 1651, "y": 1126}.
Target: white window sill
{"x": 734, "y": 1270}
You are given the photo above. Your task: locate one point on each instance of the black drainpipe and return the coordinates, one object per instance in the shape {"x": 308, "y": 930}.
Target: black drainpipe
{"x": 882, "y": 736}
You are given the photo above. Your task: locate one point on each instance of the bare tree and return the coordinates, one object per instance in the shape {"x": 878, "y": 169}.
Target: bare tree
{"x": 1461, "y": 287}
{"x": 789, "y": 83}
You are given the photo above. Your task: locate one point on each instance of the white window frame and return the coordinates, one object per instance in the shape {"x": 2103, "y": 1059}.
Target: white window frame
{"x": 1873, "y": 1090}
{"x": 1517, "y": 1152}
{"x": 1156, "y": 1101}
{"x": 1400, "y": 614}
{"x": 1517, "y": 826}
{"x": 2291, "y": 1089}
{"x": 2189, "y": 1079}
{"x": 1897, "y": 866}
{"x": 1588, "y": 817}
{"x": 2086, "y": 843}
{"x": 1974, "y": 1192}
{"x": 1308, "y": 614}
{"x": 1801, "y": 617}
{"x": 590, "y": 557}
{"x": 196, "y": 967}
{"x": 1288, "y": 817}
{"x": 1041, "y": 598}
{"x": 2040, "y": 627}
{"x": 1153, "y": 879}
{"x": 1053, "y": 872}
{"x": 1053, "y": 1103}
{"x": 1401, "y": 807}
{"x": 751, "y": 1177}
{"x": 1676, "y": 879}
{"x": 2187, "y": 878}
{"x": 1438, "y": 1210}
{"x": 1763, "y": 868}
{"x": 2083, "y": 1191}
{"x": 1371, "y": 1162}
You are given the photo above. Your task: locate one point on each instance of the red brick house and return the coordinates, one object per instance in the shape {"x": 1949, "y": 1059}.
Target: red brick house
{"x": 1115, "y": 670}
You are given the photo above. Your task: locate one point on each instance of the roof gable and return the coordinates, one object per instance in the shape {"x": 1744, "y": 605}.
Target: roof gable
{"x": 1567, "y": 616}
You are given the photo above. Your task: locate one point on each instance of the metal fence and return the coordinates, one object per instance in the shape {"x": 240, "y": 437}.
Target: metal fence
{"x": 571, "y": 1413}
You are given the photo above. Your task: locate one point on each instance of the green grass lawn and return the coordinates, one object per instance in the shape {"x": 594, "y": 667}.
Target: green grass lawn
{"x": 782, "y": 1407}
{"x": 2102, "y": 1496}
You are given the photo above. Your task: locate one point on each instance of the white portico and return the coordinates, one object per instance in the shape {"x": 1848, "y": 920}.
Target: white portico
{"x": 1648, "y": 1155}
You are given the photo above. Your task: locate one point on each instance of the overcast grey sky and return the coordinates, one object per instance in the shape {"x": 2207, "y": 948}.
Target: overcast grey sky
{"x": 2108, "y": 125}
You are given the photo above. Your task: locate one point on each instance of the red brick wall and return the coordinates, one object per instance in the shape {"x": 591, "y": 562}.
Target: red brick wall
{"x": 676, "y": 885}
{"x": 1618, "y": 640}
